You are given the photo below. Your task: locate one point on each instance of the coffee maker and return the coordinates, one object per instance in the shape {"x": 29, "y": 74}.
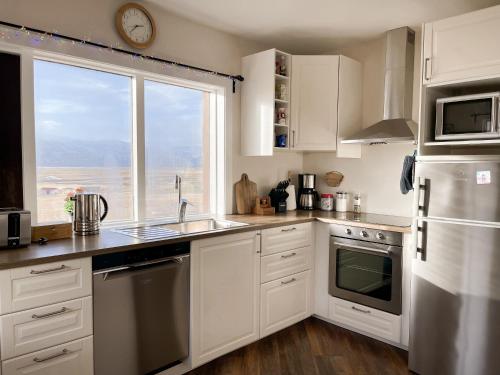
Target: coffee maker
{"x": 307, "y": 194}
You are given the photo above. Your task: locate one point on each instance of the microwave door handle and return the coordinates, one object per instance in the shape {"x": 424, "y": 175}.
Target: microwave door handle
{"x": 495, "y": 126}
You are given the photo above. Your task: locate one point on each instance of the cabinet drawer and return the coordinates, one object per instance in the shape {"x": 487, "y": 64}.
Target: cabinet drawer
{"x": 275, "y": 240}
{"x": 283, "y": 264}
{"x": 75, "y": 358}
{"x": 39, "y": 285}
{"x": 27, "y": 331}
{"x": 366, "y": 319}
{"x": 284, "y": 302}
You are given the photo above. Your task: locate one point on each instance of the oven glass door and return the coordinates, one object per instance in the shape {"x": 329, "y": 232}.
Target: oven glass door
{"x": 366, "y": 273}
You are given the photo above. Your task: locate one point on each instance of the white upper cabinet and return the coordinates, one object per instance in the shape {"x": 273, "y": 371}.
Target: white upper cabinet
{"x": 311, "y": 107}
{"x": 265, "y": 96}
{"x": 462, "y": 48}
{"x": 315, "y": 86}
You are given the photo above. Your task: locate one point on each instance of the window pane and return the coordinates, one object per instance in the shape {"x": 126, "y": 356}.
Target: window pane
{"x": 83, "y": 124}
{"x": 177, "y": 142}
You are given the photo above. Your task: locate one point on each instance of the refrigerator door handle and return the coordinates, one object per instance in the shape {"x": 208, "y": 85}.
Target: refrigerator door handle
{"x": 421, "y": 241}
{"x": 423, "y": 196}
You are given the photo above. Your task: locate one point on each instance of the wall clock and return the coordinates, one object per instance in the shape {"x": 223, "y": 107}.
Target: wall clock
{"x": 135, "y": 25}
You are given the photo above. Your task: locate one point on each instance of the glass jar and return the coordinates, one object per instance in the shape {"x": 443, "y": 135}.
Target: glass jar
{"x": 356, "y": 203}
{"x": 341, "y": 201}
{"x": 327, "y": 202}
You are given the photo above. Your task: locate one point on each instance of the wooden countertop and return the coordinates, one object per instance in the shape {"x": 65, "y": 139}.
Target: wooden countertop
{"x": 108, "y": 241}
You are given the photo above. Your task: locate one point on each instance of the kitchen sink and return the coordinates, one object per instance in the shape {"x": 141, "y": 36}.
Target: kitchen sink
{"x": 162, "y": 231}
{"x": 199, "y": 226}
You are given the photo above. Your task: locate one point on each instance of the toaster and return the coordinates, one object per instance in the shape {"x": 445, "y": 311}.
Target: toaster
{"x": 15, "y": 227}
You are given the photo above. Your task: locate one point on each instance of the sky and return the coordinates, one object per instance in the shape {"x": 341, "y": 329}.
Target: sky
{"x": 83, "y": 117}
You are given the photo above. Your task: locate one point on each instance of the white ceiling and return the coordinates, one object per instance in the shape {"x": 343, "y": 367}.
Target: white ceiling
{"x": 315, "y": 26}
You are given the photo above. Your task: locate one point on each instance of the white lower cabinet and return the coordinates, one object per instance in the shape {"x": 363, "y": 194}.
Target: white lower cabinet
{"x": 365, "y": 319}
{"x": 42, "y": 284}
{"x": 26, "y": 331}
{"x": 72, "y": 358}
{"x": 225, "y": 283}
{"x": 284, "y": 302}
{"x": 275, "y": 266}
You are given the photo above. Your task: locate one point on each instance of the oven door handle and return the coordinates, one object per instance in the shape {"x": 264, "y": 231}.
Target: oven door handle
{"x": 370, "y": 249}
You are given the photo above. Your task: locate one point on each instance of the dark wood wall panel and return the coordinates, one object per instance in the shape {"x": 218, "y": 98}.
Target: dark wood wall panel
{"x": 11, "y": 175}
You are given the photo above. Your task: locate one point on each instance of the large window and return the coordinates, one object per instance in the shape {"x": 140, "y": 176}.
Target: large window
{"x": 83, "y": 134}
{"x": 177, "y": 143}
{"x": 89, "y": 137}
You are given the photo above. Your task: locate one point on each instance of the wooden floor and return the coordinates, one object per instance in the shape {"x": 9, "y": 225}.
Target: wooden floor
{"x": 311, "y": 347}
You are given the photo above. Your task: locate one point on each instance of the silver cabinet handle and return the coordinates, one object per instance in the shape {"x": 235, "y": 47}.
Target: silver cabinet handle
{"x": 293, "y": 138}
{"x": 64, "y": 352}
{"x": 42, "y": 316}
{"x": 426, "y": 61}
{"x": 361, "y": 310}
{"x": 289, "y": 229}
{"x": 289, "y": 281}
{"x": 60, "y": 268}
{"x": 288, "y": 256}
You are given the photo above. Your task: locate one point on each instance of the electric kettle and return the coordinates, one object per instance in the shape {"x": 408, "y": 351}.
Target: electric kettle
{"x": 87, "y": 215}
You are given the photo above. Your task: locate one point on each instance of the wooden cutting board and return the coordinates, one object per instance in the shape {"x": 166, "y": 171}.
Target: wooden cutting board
{"x": 246, "y": 193}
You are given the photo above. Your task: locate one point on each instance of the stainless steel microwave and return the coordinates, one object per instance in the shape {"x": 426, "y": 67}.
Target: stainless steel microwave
{"x": 469, "y": 117}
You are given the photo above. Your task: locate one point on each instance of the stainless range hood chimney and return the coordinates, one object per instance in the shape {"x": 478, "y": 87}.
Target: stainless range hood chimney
{"x": 397, "y": 125}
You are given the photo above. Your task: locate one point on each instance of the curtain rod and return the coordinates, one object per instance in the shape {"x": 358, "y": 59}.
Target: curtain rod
{"x": 233, "y": 78}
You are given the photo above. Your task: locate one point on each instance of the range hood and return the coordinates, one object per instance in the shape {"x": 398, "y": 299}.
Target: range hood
{"x": 397, "y": 125}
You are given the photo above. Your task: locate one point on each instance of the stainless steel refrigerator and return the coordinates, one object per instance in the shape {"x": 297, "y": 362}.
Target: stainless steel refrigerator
{"x": 455, "y": 301}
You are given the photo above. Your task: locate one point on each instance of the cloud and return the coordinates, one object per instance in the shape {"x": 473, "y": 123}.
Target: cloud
{"x": 59, "y": 106}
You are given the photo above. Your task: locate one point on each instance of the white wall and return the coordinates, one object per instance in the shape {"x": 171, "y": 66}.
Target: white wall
{"x": 178, "y": 39}
{"x": 376, "y": 175}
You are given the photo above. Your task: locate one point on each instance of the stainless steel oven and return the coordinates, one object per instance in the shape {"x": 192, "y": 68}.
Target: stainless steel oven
{"x": 365, "y": 267}
{"x": 468, "y": 117}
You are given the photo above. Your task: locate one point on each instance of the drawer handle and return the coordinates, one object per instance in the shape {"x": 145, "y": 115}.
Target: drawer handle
{"x": 34, "y": 272}
{"x": 62, "y": 311}
{"x": 64, "y": 352}
{"x": 288, "y": 256}
{"x": 361, "y": 310}
{"x": 289, "y": 281}
{"x": 289, "y": 229}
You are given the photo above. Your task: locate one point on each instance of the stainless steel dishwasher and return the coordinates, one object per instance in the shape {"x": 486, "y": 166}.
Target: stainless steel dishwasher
{"x": 141, "y": 310}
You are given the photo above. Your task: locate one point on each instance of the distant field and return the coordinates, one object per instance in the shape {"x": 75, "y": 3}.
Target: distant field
{"x": 116, "y": 185}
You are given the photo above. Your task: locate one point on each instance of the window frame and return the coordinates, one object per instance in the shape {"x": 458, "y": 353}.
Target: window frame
{"x": 219, "y": 131}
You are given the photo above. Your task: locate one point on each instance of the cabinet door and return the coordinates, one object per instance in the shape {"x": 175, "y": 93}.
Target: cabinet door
{"x": 257, "y": 104}
{"x": 225, "y": 275}
{"x": 289, "y": 237}
{"x": 73, "y": 358}
{"x": 462, "y": 48}
{"x": 315, "y": 84}
{"x": 26, "y": 331}
{"x": 276, "y": 266}
{"x": 284, "y": 302}
{"x": 42, "y": 284}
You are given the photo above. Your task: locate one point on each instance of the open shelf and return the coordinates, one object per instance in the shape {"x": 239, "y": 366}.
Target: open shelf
{"x": 281, "y": 125}
{"x": 281, "y": 101}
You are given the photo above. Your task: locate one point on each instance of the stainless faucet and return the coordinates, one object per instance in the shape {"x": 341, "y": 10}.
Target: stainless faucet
{"x": 182, "y": 202}
{"x": 182, "y": 210}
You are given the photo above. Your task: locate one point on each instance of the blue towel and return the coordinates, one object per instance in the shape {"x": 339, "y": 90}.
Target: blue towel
{"x": 407, "y": 175}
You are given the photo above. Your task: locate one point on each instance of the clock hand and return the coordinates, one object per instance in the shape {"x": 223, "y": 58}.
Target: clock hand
{"x": 135, "y": 27}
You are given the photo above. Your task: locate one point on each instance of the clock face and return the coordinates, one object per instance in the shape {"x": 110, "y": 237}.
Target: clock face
{"x": 135, "y": 25}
